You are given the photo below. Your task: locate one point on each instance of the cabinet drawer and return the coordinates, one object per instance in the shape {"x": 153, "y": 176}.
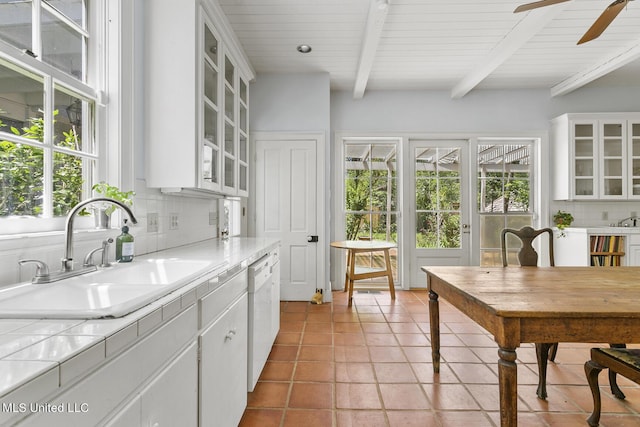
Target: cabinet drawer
{"x": 212, "y": 305}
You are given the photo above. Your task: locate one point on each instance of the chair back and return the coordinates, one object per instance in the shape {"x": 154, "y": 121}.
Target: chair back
{"x": 527, "y": 256}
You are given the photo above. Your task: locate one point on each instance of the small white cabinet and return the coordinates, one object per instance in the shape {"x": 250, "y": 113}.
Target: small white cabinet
{"x": 596, "y": 156}
{"x": 223, "y": 353}
{"x": 196, "y": 100}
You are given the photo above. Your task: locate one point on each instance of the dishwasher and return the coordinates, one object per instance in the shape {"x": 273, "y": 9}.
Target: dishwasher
{"x": 261, "y": 312}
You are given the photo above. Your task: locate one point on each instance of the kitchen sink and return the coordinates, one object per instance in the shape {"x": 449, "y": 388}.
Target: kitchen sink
{"x": 108, "y": 293}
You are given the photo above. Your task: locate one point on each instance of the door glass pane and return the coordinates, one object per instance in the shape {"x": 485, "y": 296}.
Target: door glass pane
{"x": 370, "y": 187}
{"x": 504, "y": 197}
{"x": 438, "y": 197}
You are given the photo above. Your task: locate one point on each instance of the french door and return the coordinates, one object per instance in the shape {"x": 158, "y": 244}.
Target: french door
{"x": 440, "y": 211}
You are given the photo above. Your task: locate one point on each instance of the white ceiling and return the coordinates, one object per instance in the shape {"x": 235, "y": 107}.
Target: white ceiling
{"x": 446, "y": 44}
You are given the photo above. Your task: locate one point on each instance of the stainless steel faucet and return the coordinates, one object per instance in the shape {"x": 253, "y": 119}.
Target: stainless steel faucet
{"x": 42, "y": 271}
{"x": 621, "y": 223}
{"x": 67, "y": 261}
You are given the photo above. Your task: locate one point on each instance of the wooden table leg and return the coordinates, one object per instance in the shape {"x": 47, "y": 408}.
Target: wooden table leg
{"x": 392, "y": 287}
{"x": 351, "y": 273}
{"x": 508, "y": 381}
{"x": 346, "y": 272}
{"x": 434, "y": 323}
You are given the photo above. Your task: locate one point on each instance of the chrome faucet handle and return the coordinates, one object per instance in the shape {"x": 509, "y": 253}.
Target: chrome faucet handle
{"x": 42, "y": 269}
{"x": 105, "y": 253}
{"x": 88, "y": 260}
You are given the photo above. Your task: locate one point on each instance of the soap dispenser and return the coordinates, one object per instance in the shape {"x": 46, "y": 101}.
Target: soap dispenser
{"x": 124, "y": 245}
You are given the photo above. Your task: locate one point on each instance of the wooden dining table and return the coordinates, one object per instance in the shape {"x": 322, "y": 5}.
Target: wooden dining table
{"x": 537, "y": 305}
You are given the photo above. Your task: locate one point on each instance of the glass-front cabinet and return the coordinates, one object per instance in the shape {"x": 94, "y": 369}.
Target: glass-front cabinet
{"x": 210, "y": 157}
{"x": 613, "y": 151}
{"x": 633, "y": 129}
{"x": 596, "y": 156}
{"x": 585, "y": 164}
{"x": 196, "y": 139}
{"x": 235, "y": 164}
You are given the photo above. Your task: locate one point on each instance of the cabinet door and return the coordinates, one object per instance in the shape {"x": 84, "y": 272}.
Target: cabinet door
{"x": 633, "y": 136}
{"x": 585, "y": 151}
{"x": 223, "y": 367}
{"x": 210, "y": 136}
{"x": 243, "y": 139}
{"x": 229, "y": 164}
{"x": 613, "y": 166}
{"x": 172, "y": 398}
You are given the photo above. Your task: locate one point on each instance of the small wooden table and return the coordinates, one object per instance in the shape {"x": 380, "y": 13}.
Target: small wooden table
{"x": 537, "y": 305}
{"x": 354, "y": 273}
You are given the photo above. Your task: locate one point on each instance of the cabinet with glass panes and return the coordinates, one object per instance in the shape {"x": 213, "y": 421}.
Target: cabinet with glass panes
{"x": 596, "y": 156}
{"x": 196, "y": 138}
{"x": 235, "y": 164}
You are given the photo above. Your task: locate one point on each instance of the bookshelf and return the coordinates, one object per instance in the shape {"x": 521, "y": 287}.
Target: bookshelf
{"x": 606, "y": 250}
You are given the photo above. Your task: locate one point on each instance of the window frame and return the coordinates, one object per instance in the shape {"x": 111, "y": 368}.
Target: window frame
{"x": 88, "y": 91}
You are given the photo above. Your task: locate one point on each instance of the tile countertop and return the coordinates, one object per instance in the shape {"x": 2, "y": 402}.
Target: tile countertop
{"x": 39, "y": 356}
{"x": 602, "y": 229}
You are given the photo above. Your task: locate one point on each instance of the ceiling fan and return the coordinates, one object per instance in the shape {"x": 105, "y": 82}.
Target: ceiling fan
{"x": 598, "y": 26}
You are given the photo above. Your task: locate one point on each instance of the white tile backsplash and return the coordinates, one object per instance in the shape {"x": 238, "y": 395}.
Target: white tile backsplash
{"x": 193, "y": 226}
{"x": 587, "y": 214}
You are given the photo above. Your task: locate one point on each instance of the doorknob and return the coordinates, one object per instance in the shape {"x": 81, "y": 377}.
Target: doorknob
{"x": 465, "y": 228}
{"x": 312, "y": 239}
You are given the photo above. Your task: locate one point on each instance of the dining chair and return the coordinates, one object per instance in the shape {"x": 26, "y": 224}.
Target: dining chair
{"x": 528, "y": 257}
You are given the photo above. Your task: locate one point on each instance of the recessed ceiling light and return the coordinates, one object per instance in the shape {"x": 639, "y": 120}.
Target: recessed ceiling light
{"x": 304, "y": 48}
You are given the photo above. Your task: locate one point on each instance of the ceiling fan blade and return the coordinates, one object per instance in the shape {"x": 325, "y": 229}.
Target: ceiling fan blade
{"x": 537, "y": 4}
{"x": 603, "y": 20}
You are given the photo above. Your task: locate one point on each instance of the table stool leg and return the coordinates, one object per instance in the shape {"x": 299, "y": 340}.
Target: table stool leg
{"x": 392, "y": 287}
{"x": 350, "y": 273}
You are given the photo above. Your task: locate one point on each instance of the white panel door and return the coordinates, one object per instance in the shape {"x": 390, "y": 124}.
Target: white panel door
{"x": 287, "y": 208}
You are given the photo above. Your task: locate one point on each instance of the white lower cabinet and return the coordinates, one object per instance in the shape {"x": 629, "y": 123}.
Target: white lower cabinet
{"x": 109, "y": 394}
{"x": 171, "y": 398}
{"x": 223, "y": 367}
{"x": 633, "y": 250}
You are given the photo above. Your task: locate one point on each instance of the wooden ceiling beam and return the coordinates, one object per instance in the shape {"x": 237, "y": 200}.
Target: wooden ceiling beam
{"x": 604, "y": 67}
{"x": 529, "y": 26}
{"x": 378, "y": 10}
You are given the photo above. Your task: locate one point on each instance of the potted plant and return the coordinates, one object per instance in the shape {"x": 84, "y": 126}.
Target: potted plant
{"x": 103, "y": 211}
{"x": 562, "y": 220}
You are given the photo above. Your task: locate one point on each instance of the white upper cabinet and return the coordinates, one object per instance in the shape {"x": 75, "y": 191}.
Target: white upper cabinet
{"x": 196, "y": 100}
{"x": 596, "y": 156}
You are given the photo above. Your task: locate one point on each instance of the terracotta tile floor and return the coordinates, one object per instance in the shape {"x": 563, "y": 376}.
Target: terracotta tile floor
{"x": 370, "y": 365}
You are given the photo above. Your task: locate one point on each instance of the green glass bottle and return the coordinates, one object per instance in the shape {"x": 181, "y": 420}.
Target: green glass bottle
{"x": 124, "y": 245}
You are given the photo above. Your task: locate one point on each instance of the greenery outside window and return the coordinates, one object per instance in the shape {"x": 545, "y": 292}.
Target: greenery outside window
{"x": 48, "y": 155}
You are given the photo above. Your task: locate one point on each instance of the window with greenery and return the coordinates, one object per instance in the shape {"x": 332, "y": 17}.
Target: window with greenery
{"x": 438, "y": 198}
{"x": 47, "y": 153}
{"x": 504, "y": 194}
{"x": 371, "y": 202}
